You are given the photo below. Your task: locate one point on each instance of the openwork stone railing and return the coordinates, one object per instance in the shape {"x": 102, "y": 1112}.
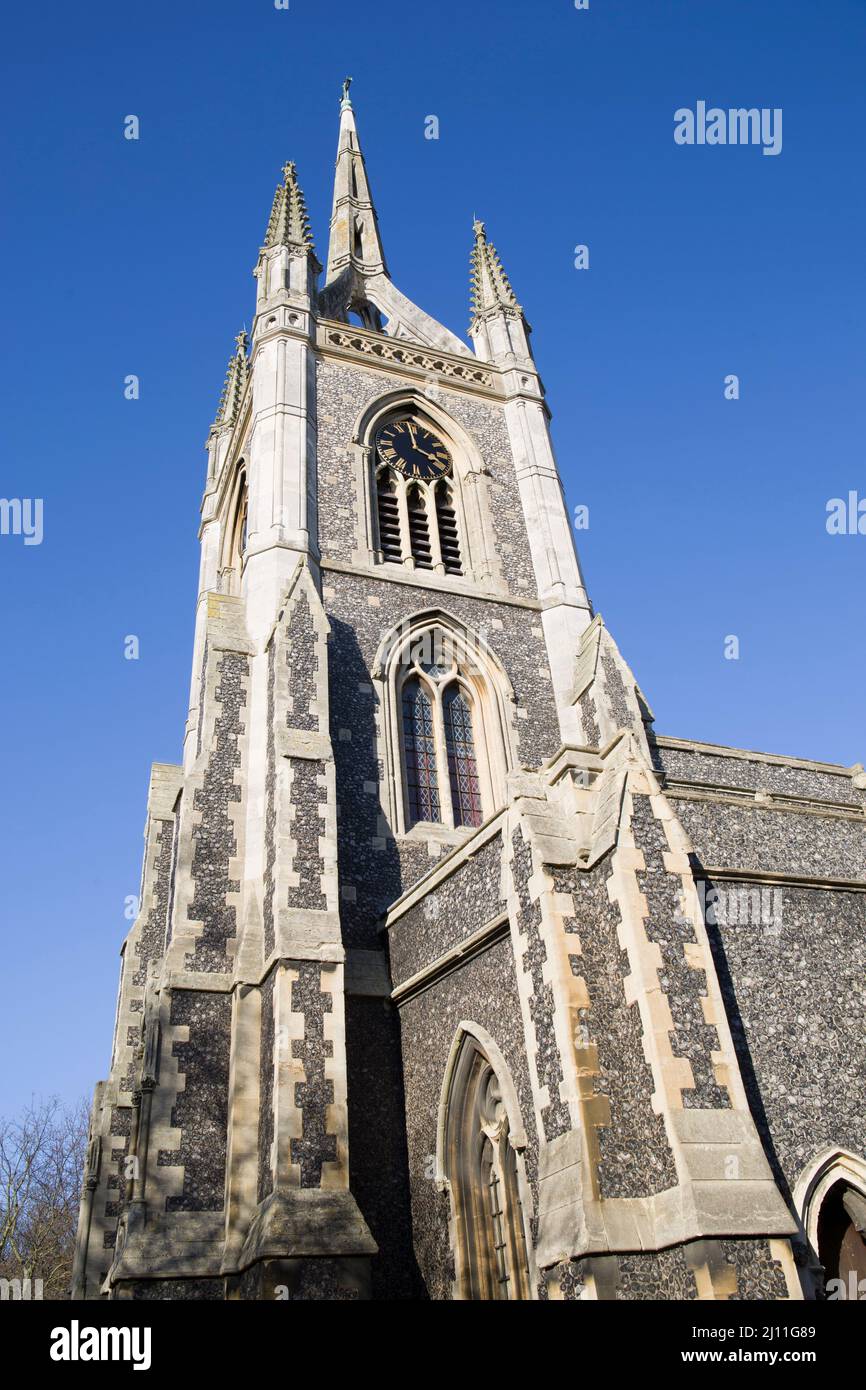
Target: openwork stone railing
{"x": 384, "y": 350}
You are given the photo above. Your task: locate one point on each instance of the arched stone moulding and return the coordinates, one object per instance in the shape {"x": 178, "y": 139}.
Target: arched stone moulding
{"x": 470, "y": 485}
{"x": 517, "y": 1207}
{"x": 480, "y": 671}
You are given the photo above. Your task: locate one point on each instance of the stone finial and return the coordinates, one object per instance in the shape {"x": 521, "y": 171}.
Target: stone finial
{"x": 235, "y": 384}
{"x": 491, "y": 289}
{"x": 289, "y": 224}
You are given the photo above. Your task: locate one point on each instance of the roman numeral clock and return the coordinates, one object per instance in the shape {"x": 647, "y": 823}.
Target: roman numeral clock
{"x": 413, "y": 450}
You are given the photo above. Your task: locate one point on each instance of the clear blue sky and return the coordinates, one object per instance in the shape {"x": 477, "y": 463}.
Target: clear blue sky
{"x": 556, "y": 126}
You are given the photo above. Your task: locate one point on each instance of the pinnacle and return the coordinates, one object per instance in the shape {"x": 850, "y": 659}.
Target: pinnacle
{"x": 289, "y": 224}
{"x": 491, "y": 288}
{"x": 235, "y": 383}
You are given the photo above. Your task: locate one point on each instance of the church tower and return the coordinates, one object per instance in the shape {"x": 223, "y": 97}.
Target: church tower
{"x": 419, "y": 1001}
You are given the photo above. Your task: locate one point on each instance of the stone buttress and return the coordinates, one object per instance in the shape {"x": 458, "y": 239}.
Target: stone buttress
{"x": 218, "y": 1149}
{"x": 644, "y": 1174}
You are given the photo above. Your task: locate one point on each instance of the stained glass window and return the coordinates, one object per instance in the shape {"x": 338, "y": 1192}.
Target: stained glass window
{"x": 462, "y": 767}
{"x": 420, "y": 750}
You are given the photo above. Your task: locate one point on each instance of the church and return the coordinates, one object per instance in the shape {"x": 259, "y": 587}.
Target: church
{"x": 452, "y": 978}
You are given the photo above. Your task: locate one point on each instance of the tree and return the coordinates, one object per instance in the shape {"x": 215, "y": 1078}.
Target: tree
{"x": 41, "y": 1160}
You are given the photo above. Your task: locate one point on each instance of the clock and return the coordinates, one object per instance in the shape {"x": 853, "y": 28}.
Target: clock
{"x": 413, "y": 450}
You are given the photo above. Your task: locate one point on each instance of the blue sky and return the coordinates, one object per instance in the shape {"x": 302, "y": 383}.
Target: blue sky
{"x": 707, "y": 516}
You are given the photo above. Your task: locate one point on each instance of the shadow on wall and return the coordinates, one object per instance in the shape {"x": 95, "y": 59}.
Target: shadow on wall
{"x": 378, "y": 1152}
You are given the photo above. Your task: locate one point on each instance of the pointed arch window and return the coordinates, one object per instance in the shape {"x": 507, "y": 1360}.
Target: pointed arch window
{"x": 482, "y": 1171}
{"x": 462, "y": 767}
{"x": 417, "y": 499}
{"x": 242, "y": 526}
{"x": 419, "y": 738}
{"x": 235, "y": 528}
{"x": 447, "y": 725}
{"x": 439, "y": 747}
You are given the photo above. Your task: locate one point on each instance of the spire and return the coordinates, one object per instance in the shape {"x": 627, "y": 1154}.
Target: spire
{"x": 237, "y": 376}
{"x": 491, "y": 289}
{"x": 289, "y": 224}
{"x": 354, "y": 239}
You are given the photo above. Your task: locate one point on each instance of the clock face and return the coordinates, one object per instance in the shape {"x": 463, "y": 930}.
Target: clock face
{"x": 413, "y": 450}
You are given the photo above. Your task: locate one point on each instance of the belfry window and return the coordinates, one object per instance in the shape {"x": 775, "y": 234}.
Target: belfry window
{"x": 449, "y": 536}
{"x": 239, "y": 543}
{"x": 234, "y": 542}
{"x": 419, "y": 529}
{"x": 389, "y": 518}
{"x": 416, "y": 499}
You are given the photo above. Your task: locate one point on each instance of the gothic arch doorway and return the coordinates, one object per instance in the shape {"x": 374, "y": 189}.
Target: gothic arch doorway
{"x": 831, "y": 1197}
{"x": 480, "y": 1162}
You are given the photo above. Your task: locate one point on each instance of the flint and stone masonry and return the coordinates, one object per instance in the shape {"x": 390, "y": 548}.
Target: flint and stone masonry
{"x": 581, "y": 1018}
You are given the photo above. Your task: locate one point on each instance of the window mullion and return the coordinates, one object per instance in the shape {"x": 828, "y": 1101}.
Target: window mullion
{"x": 405, "y": 534}
{"x": 446, "y": 808}
{"x": 433, "y": 527}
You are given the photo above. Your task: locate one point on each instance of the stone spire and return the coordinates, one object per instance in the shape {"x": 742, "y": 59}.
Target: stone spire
{"x": 491, "y": 290}
{"x": 354, "y": 239}
{"x": 289, "y": 224}
{"x": 237, "y": 376}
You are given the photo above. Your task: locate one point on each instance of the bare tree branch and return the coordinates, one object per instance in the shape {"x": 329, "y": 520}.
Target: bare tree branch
{"x": 41, "y": 1160}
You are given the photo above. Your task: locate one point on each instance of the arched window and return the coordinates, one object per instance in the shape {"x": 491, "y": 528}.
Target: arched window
{"x": 439, "y": 744}
{"x": 242, "y": 526}
{"x": 480, "y": 1162}
{"x": 419, "y": 741}
{"x": 447, "y": 728}
{"x": 460, "y": 745}
{"x": 416, "y": 498}
{"x": 234, "y": 544}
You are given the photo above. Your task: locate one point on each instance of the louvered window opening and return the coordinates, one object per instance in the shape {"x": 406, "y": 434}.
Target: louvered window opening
{"x": 419, "y": 530}
{"x": 449, "y": 538}
{"x": 425, "y": 510}
{"x": 389, "y": 520}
